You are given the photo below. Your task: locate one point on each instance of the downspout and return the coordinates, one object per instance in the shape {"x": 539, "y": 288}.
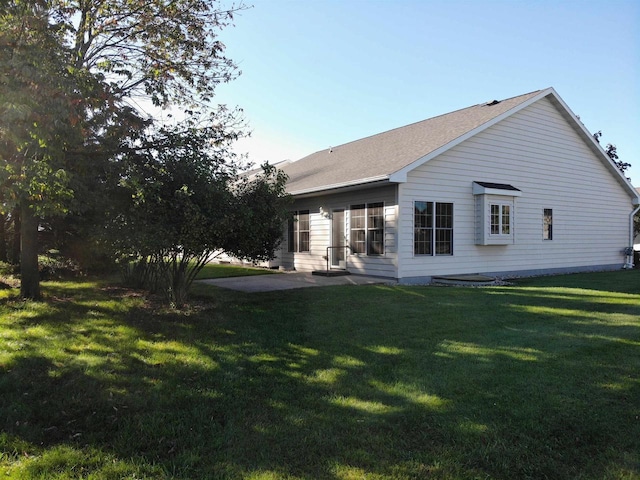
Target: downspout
{"x": 629, "y": 263}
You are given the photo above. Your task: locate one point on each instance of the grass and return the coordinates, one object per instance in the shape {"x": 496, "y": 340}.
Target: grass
{"x": 218, "y": 270}
{"x": 536, "y": 380}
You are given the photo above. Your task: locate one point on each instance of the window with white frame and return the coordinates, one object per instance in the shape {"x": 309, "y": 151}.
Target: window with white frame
{"x": 299, "y": 231}
{"x": 433, "y": 228}
{"x": 495, "y": 213}
{"x": 500, "y": 218}
{"x": 367, "y": 228}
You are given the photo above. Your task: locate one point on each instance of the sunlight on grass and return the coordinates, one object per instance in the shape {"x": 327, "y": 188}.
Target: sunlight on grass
{"x": 327, "y": 376}
{"x": 349, "y": 472}
{"x": 85, "y": 463}
{"x": 384, "y": 350}
{"x": 485, "y": 353}
{"x": 467, "y": 426}
{"x": 100, "y": 382}
{"x": 9, "y": 293}
{"x": 268, "y": 475}
{"x": 347, "y": 361}
{"x": 628, "y": 384}
{"x": 157, "y": 353}
{"x": 413, "y": 395}
{"x": 570, "y": 294}
{"x": 364, "y": 406}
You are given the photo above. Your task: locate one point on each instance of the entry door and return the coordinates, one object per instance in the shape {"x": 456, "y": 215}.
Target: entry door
{"x": 337, "y": 239}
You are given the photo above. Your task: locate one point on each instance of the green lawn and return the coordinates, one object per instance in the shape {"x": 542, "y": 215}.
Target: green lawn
{"x": 216, "y": 270}
{"x": 537, "y": 380}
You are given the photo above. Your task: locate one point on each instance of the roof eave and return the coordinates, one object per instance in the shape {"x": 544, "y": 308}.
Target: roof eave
{"x": 359, "y": 183}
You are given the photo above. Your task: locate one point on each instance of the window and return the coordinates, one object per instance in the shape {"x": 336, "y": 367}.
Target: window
{"x": 299, "y": 232}
{"x": 423, "y": 228}
{"x": 495, "y": 210}
{"x": 433, "y": 234}
{"x": 358, "y": 232}
{"x": 547, "y": 224}
{"x": 375, "y": 229}
{"x": 500, "y": 219}
{"x": 367, "y": 228}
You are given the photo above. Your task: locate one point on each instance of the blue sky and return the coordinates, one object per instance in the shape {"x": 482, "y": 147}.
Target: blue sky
{"x": 317, "y": 73}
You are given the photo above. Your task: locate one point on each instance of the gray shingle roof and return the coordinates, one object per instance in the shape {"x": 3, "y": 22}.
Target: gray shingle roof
{"x": 379, "y": 156}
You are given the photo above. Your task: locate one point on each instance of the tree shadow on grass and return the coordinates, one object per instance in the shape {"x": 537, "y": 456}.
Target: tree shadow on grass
{"x": 405, "y": 383}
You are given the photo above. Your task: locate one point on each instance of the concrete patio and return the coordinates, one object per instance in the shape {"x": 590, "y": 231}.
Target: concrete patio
{"x": 289, "y": 281}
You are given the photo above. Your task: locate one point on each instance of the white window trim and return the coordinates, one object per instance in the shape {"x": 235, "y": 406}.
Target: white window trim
{"x": 366, "y": 229}
{"x": 295, "y": 248}
{"x": 501, "y": 206}
{"x": 487, "y": 196}
{"x": 434, "y": 229}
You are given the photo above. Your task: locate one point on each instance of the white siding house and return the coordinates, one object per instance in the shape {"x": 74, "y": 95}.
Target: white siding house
{"x": 510, "y": 187}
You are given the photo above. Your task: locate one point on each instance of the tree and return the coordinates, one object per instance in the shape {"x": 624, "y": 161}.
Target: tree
{"x": 181, "y": 202}
{"x": 612, "y": 152}
{"x": 37, "y": 108}
{"x": 69, "y": 73}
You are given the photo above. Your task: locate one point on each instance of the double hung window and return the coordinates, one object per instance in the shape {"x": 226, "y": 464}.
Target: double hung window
{"x": 367, "y": 228}
{"x": 298, "y": 231}
{"x": 433, "y": 228}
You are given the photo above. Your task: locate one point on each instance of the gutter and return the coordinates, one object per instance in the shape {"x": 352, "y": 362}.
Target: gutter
{"x": 629, "y": 263}
{"x": 352, "y": 183}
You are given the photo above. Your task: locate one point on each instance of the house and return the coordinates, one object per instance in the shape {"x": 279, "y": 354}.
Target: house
{"x": 510, "y": 187}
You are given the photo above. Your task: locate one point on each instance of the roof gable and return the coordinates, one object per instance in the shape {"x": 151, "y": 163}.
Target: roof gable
{"x": 390, "y": 155}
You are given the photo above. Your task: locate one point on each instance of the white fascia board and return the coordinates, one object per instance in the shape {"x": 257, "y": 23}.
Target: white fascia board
{"x": 400, "y": 176}
{"x": 360, "y": 181}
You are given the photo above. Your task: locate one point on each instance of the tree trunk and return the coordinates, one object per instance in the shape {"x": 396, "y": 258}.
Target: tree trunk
{"x": 15, "y": 244}
{"x": 29, "y": 275}
{"x": 3, "y": 238}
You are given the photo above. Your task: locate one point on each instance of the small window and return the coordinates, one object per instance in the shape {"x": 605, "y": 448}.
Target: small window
{"x": 547, "y": 224}
{"x": 299, "y": 232}
{"x": 500, "y": 219}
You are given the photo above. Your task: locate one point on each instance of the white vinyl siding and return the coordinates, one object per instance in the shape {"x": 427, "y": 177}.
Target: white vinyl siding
{"x": 384, "y": 264}
{"x": 538, "y": 151}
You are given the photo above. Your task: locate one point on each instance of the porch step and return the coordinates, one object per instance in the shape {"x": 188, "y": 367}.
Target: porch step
{"x": 331, "y": 273}
{"x": 474, "y": 279}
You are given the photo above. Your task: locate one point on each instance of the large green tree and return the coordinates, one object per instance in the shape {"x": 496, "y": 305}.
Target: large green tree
{"x": 71, "y": 73}
{"x": 38, "y": 122}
